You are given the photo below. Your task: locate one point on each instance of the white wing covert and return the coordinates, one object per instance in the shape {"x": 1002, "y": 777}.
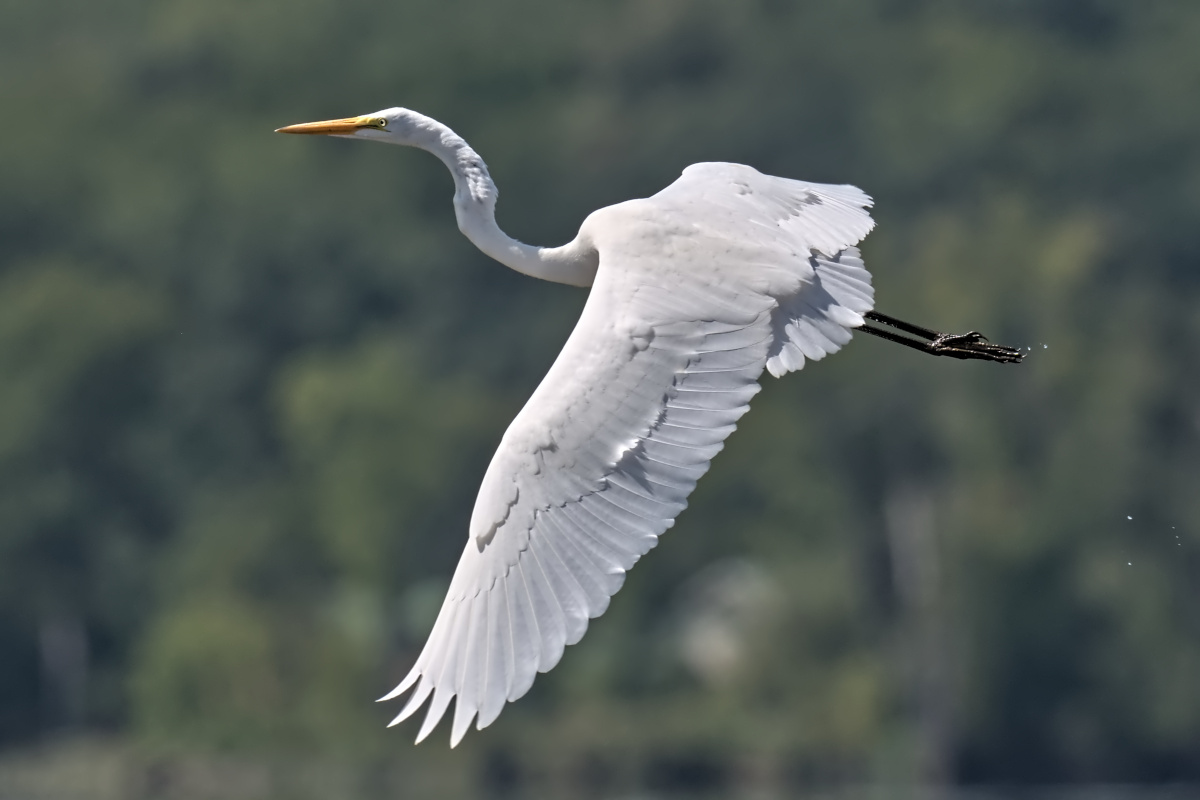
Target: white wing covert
{"x": 722, "y": 274}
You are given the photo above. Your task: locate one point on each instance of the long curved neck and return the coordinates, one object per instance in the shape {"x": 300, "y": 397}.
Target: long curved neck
{"x": 475, "y": 197}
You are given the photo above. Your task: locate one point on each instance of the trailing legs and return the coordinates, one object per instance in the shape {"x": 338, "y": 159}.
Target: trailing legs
{"x": 955, "y": 345}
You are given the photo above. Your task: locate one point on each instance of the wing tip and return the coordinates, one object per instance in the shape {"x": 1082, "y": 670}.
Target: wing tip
{"x": 463, "y": 717}
{"x": 415, "y": 701}
{"x": 404, "y": 685}
{"x": 437, "y": 710}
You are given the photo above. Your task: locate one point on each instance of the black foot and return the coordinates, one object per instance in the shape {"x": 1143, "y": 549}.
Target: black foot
{"x": 955, "y": 345}
{"x": 973, "y": 345}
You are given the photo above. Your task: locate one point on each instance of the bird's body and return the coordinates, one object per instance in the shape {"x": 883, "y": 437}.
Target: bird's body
{"x": 695, "y": 291}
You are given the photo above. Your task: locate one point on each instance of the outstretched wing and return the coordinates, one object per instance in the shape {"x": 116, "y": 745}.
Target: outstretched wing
{"x": 700, "y": 287}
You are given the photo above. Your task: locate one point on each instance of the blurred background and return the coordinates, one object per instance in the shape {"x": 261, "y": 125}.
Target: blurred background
{"x": 249, "y": 384}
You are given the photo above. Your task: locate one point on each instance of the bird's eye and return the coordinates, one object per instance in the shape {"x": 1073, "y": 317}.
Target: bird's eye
{"x": 379, "y": 122}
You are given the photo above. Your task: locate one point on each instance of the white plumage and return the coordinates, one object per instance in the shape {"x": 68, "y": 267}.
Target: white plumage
{"x": 695, "y": 291}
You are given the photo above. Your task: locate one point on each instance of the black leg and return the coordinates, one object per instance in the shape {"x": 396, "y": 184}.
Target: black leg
{"x": 955, "y": 345}
{"x": 907, "y": 327}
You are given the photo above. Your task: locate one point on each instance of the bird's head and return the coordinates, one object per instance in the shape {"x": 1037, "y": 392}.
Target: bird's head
{"x": 395, "y": 125}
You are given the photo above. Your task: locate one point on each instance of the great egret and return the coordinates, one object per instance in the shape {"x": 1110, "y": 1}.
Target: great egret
{"x": 694, "y": 291}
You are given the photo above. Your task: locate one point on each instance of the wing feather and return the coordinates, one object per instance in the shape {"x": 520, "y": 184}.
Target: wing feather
{"x": 587, "y": 573}
{"x": 554, "y": 631}
{"x": 525, "y": 634}
{"x": 604, "y": 507}
{"x": 571, "y": 596}
{"x": 624, "y": 554}
{"x": 494, "y": 692}
{"x": 471, "y": 667}
{"x": 723, "y": 274}
{"x": 443, "y": 691}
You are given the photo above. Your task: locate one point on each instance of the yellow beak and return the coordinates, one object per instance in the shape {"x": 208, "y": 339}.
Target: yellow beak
{"x": 335, "y": 126}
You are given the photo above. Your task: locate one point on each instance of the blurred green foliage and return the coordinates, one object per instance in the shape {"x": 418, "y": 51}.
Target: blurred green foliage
{"x": 249, "y": 384}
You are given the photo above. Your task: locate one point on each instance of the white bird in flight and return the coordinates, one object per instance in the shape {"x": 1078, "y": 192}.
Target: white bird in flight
{"x": 694, "y": 292}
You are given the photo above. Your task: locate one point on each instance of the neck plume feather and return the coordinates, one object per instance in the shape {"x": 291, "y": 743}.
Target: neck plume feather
{"x": 475, "y": 197}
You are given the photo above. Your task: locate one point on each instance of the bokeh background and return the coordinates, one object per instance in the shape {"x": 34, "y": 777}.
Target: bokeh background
{"x": 249, "y": 384}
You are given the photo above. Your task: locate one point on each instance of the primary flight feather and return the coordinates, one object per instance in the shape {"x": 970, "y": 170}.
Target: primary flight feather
{"x": 694, "y": 292}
